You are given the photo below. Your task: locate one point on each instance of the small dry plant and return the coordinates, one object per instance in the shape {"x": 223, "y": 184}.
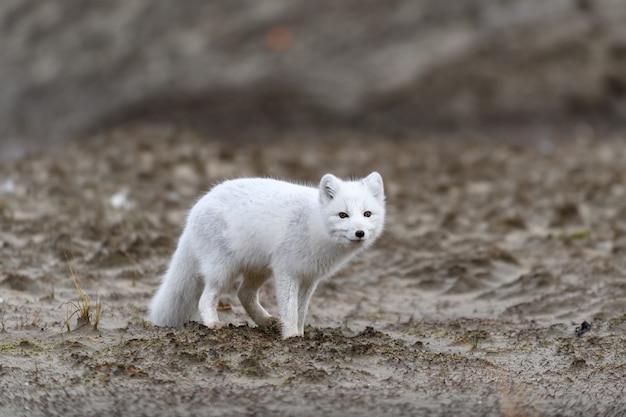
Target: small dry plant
{"x": 82, "y": 308}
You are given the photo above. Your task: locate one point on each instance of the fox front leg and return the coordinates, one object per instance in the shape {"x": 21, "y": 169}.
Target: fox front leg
{"x": 304, "y": 297}
{"x": 287, "y": 289}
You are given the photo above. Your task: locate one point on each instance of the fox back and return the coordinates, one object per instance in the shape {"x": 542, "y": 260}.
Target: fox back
{"x": 257, "y": 220}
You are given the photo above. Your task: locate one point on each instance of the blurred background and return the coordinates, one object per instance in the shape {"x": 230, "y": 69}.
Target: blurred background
{"x": 72, "y": 68}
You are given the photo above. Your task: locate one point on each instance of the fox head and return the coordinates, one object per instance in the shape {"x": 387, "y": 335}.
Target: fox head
{"x": 353, "y": 211}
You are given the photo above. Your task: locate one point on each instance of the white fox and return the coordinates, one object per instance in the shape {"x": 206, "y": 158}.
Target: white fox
{"x": 259, "y": 228}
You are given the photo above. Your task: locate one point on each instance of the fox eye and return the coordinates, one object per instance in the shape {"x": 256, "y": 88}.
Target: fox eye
{"x": 367, "y": 213}
{"x": 343, "y": 215}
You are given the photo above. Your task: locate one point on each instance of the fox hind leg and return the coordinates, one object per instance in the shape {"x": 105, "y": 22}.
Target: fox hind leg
{"x": 208, "y": 308}
{"x": 249, "y": 297}
{"x": 215, "y": 280}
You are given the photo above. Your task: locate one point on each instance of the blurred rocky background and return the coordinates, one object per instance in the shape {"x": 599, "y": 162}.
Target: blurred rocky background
{"x": 69, "y": 68}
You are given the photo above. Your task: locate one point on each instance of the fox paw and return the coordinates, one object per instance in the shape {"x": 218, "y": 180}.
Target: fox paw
{"x": 272, "y": 324}
{"x": 216, "y": 325}
{"x": 292, "y": 335}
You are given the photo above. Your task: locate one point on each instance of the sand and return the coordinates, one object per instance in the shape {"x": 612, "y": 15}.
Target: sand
{"x": 495, "y": 254}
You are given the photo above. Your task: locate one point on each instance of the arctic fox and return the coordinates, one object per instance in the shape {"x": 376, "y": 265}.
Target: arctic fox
{"x": 257, "y": 228}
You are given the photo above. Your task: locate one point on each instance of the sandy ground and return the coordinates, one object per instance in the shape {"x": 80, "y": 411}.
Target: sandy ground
{"x": 472, "y": 303}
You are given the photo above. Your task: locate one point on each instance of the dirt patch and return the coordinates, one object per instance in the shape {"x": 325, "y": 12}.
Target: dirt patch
{"x": 494, "y": 254}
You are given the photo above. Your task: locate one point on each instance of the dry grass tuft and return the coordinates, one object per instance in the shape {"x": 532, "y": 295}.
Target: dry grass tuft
{"x": 82, "y": 308}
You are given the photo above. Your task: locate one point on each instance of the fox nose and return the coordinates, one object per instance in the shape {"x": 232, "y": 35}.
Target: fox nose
{"x": 359, "y": 233}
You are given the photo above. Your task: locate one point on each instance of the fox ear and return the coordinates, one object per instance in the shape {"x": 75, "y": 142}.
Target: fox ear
{"x": 329, "y": 185}
{"x": 375, "y": 183}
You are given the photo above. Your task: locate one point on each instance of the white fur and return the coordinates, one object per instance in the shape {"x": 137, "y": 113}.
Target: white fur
{"x": 259, "y": 228}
